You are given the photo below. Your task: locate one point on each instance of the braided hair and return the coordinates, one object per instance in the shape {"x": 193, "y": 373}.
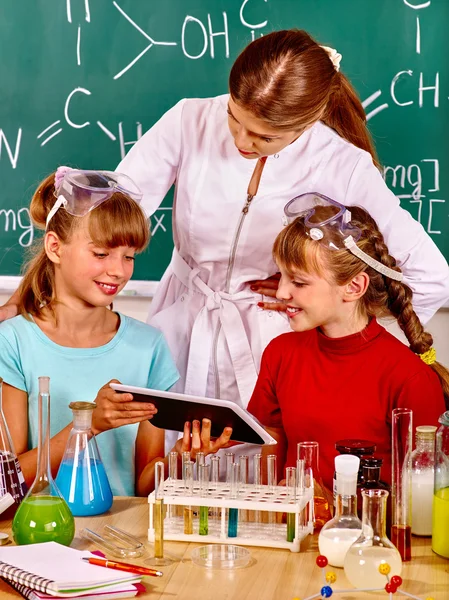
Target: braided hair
{"x": 383, "y": 297}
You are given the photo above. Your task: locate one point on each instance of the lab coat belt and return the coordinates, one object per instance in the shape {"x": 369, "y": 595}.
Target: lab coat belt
{"x": 203, "y": 333}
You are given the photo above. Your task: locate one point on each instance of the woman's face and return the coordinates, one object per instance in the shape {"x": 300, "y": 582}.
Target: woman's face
{"x": 253, "y": 138}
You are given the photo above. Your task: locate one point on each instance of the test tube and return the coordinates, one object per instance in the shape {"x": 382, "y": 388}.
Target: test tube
{"x": 203, "y": 477}
{"x": 214, "y": 479}
{"x": 172, "y": 478}
{"x": 159, "y": 510}
{"x": 188, "y": 485}
{"x": 185, "y": 459}
{"x": 300, "y": 489}
{"x": 257, "y": 467}
{"x": 158, "y": 559}
{"x": 229, "y": 456}
{"x": 272, "y": 482}
{"x": 401, "y": 531}
{"x": 290, "y": 475}
{"x": 233, "y": 517}
{"x": 243, "y": 463}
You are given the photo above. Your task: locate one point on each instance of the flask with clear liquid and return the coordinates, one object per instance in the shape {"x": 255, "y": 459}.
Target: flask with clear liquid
{"x": 373, "y": 548}
{"x": 12, "y": 480}
{"x": 423, "y": 474}
{"x": 43, "y": 515}
{"x": 81, "y": 478}
{"x": 344, "y": 529}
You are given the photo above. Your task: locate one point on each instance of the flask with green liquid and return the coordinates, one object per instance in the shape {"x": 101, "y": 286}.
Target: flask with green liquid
{"x": 43, "y": 515}
{"x": 440, "y": 520}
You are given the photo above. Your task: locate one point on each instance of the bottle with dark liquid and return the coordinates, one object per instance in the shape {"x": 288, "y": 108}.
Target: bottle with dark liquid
{"x": 11, "y": 477}
{"x": 370, "y": 480}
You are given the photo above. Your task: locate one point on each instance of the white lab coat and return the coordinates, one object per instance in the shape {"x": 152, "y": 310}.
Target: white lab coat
{"x": 217, "y": 333}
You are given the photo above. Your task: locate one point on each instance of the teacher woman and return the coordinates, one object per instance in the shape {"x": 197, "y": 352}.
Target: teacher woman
{"x": 291, "y": 124}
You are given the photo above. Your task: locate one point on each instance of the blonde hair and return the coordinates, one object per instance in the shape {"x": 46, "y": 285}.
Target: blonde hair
{"x": 118, "y": 221}
{"x": 288, "y": 80}
{"x": 296, "y": 251}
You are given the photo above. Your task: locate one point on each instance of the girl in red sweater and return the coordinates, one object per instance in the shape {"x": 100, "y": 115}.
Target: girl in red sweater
{"x": 339, "y": 374}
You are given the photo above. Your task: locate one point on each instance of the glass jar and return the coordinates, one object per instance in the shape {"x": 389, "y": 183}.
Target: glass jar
{"x": 440, "y": 521}
{"x": 423, "y": 474}
{"x": 373, "y": 548}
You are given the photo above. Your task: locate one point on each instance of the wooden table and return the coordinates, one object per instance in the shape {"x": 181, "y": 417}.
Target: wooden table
{"x": 272, "y": 574}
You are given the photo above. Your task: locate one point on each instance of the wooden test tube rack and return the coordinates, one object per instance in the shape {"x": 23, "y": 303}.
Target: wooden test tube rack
{"x": 251, "y": 501}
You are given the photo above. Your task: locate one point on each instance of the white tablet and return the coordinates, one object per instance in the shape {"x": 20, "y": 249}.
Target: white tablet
{"x": 175, "y": 409}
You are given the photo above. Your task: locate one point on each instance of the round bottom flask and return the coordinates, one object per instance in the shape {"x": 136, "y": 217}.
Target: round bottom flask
{"x": 373, "y": 548}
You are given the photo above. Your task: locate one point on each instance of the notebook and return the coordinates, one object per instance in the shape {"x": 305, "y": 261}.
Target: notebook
{"x": 58, "y": 570}
{"x": 112, "y": 592}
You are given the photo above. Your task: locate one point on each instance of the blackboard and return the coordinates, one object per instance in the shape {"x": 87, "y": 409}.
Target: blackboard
{"x": 81, "y": 80}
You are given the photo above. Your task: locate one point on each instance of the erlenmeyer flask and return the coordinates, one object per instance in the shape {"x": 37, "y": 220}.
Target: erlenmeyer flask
{"x": 373, "y": 548}
{"x": 308, "y": 451}
{"x": 81, "y": 478}
{"x": 11, "y": 477}
{"x": 43, "y": 515}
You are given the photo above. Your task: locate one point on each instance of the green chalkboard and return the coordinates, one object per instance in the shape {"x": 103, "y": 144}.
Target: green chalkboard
{"x": 80, "y": 80}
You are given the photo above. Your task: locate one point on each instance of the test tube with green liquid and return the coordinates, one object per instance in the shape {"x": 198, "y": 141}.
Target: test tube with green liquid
{"x": 233, "y": 516}
{"x": 290, "y": 473}
{"x": 203, "y": 478}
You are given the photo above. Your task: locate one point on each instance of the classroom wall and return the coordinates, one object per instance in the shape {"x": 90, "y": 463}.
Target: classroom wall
{"x": 138, "y": 306}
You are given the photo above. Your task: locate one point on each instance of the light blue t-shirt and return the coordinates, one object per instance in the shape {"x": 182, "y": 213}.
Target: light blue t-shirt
{"x": 137, "y": 355}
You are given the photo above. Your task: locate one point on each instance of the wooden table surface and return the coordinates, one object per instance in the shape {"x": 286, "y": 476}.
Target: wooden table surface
{"x": 271, "y": 575}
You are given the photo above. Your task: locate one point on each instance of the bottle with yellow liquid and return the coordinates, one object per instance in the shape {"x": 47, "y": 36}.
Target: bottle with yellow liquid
{"x": 43, "y": 515}
{"x": 440, "y": 519}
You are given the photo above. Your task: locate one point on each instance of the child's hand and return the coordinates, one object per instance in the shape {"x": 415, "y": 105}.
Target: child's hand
{"x": 115, "y": 409}
{"x": 197, "y": 438}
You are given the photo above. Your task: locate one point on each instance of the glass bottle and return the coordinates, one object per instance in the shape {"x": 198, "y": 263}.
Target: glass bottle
{"x": 12, "y": 480}
{"x": 373, "y": 548}
{"x": 423, "y": 463}
{"x": 401, "y": 481}
{"x": 81, "y": 477}
{"x": 440, "y": 521}
{"x": 344, "y": 529}
{"x": 43, "y": 515}
{"x": 360, "y": 448}
{"x": 370, "y": 480}
{"x": 308, "y": 451}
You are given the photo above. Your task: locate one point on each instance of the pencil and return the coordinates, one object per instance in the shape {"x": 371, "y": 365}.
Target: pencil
{"x": 120, "y": 566}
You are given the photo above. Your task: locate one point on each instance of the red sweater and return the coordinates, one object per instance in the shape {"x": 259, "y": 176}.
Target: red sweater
{"x": 326, "y": 389}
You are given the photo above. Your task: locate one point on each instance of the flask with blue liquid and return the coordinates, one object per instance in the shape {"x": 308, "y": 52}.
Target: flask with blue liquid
{"x": 81, "y": 478}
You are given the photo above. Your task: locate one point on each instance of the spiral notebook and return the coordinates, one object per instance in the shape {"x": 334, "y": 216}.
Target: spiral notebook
{"x": 58, "y": 570}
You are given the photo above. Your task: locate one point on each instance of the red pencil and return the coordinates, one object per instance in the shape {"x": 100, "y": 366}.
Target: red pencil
{"x": 120, "y": 566}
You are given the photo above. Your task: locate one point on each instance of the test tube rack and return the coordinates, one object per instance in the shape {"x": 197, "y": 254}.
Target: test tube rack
{"x": 253, "y": 502}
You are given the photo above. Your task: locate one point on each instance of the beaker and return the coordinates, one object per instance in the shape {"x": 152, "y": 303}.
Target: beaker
{"x": 12, "y": 480}
{"x": 81, "y": 478}
{"x": 373, "y": 548}
{"x": 308, "y": 451}
{"x": 440, "y": 521}
{"x": 43, "y": 515}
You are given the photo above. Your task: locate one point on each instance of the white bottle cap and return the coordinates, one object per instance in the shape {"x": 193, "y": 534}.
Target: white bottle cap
{"x": 5, "y": 502}
{"x": 347, "y": 468}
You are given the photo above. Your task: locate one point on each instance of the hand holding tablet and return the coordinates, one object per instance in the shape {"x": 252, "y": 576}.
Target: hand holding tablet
{"x": 174, "y": 410}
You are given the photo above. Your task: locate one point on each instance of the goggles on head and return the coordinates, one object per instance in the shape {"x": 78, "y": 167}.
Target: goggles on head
{"x": 79, "y": 192}
{"x": 332, "y": 227}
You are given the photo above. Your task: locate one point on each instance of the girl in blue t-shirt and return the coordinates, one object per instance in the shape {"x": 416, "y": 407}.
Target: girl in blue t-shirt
{"x": 66, "y": 330}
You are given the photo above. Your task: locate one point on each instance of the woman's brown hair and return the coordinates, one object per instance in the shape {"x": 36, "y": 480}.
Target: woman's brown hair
{"x": 288, "y": 80}
{"x": 296, "y": 251}
{"x": 118, "y": 221}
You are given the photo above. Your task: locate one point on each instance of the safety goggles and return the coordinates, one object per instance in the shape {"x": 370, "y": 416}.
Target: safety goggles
{"x": 79, "y": 192}
{"x": 332, "y": 227}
